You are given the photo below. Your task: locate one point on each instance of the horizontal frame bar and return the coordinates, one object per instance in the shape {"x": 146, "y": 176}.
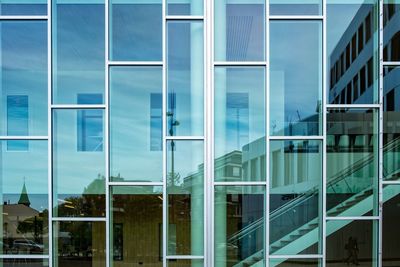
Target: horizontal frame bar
{"x": 79, "y": 219}
{"x": 353, "y": 218}
{"x": 374, "y": 106}
{"x": 135, "y": 63}
{"x": 22, "y": 256}
{"x": 184, "y": 257}
{"x": 135, "y": 183}
{"x": 391, "y": 182}
{"x": 391, "y": 63}
{"x": 13, "y": 137}
{"x": 301, "y": 17}
{"x": 302, "y": 256}
{"x": 240, "y": 183}
{"x": 299, "y": 137}
{"x": 183, "y": 17}
{"x": 184, "y": 138}
{"x": 240, "y": 63}
{"x": 18, "y": 17}
{"x": 74, "y": 106}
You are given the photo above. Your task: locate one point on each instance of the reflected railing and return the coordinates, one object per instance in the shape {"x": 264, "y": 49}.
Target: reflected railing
{"x": 340, "y": 177}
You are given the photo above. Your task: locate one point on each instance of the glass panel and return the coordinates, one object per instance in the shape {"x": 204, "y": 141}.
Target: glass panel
{"x": 352, "y": 242}
{"x": 239, "y": 30}
{"x": 296, "y": 88}
{"x": 352, "y": 49}
{"x": 136, "y": 221}
{"x": 391, "y": 30}
{"x": 185, "y": 7}
{"x": 185, "y": 78}
{"x": 78, "y": 163}
{"x": 136, "y": 124}
{"x": 24, "y": 262}
{"x": 185, "y": 263}
{"x": 24, "y": 198}
{"x": 23, "y": 7}
{"x": 136, "y": 30}
{"x": 239, "y": 225}
{"x": 391, "y": 230}
{"x": 295, "y": 7}
{"x": 23, "y": 75}
{"x": 78, "y": 51}
{"x": 185, "y": 189}
{"x": 80, "y": 244}
{"x": 294, "y": 262}
{"x": 352, "y": 162}
{"x": 295, "y": 197}
{"x": 391, "y": 123}
{"x": 239, "y": 124}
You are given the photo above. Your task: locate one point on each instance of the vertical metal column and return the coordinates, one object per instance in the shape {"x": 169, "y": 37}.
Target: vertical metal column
{"x": 106, "y": 134}
{"x": 324, "y": 121}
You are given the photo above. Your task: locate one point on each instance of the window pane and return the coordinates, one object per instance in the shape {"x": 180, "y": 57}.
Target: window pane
{"x": 24, "y": 262}
{"x": 391, "y": 125}
{"x": 391, "y": 231}
{"x": 21, "y": 8}
{"x": 78, "y": 171}
{"x": 296, "y": 88}
{"x": 78, "y": 50}
{"x": 351, "y": 242}
{"x": 352, "y": 160}
{"x": 80, "y": 244}
{"x": 391, "y": 30}
{"x": 185, "y": 78}
{"x": 239, "y": 124}
{"x": 185, "y": 189}
{"x": 136, "y": 30}
{"x": 239, "y": 225}
{"x": 239, "y": 30}
{"x": 352, "y": 47}
{"x": 23, "y": 76}
{"x": 185, "y": 263}
{"x": 136, "y": 218}
{"x": 136, "y": 124}
{"x": 295, "y": 197}
{"x": 294, "y": 262}
{"x": 24, "y": 199}
{"x": 185, "y": 7}
{"x": 295, "y": 7}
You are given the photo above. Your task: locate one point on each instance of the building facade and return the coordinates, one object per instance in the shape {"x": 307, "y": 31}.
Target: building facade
{"x": 220, "y": 133}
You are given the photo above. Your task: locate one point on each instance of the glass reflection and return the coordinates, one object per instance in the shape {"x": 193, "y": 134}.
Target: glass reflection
{"x": 23, "y": 8}
{"x": 391, "y": 231}
{"x": 352, "y": 49}
{"x": 391, "y": 126}
{"x": 296, "y": 87}
{"x": 185, "y": 263}
{"x": 294, "y": 262}
{"x": 78, "y": 51}
{"x": 23, "y": 76}
{"x": 239, "y": 30}
{"x": 185, "y": 63}
{"x": 136, "y": 133}
{"x": 351, "y": 243}
{"x": 185, "y": 7}
{"x": 80, "y": 244}
{"x": 295, "y": 7}
{"x": 136, "y": 30}
{"x": 24, "y": 198}
{"x": 352, "y": 160}
{"x": 295, "y": 197}
{"x": 239, "y": 225}
{"x": 78, "y": 163}
{"x": 239, "y": 124}
{"x": 185, "y": 189}
{"x": 23, "y": 262}
{"x": 136, "y": 218}
{"x": 391, "y": 30}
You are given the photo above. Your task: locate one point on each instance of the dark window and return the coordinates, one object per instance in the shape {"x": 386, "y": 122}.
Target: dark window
{"x": 342, "y": 96}
{"x": 332, "y": 81}
{"x": 355, "y": 88}
{"x": 342, "y": 67}
{"x": 390, "y": 101}
{"x": 370, "y": 72}
{"x": 347, "y": 56}
{"x": 348, "y": 93}
{"x": 385, "y": 53}
{"x": 17, "y": 121}
{"x": 395, "y": 49}
{"x": 360, "y": 38}
{"x": 362, "y": 80}
{"x": 368, "y": 29}
{"x": 353, "y": 48}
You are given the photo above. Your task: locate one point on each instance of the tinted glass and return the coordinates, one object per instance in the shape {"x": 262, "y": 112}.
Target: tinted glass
{"x": 239, "y": 124}
{"x": 136, "y": 123}
{"x": 136, "y": 30}
{"x": 136, "y": 221}
{"x": 296, "y": 87}
{"x": 239, "y": 30}
{"x": 23, "y": 262}
{"x": 294, "y": 262}
{"x": 295, "y": 7}
{"x": 23, "y": 76}
{"x": 185, "y": 7}
{"x": 352, "y": 49}
{"x": 391, "y": 219}
{"x": 295, "y": 197}
{"x": 23, "y": 8}
{"x": 185, "y": 78}
{"x": 24, "y": 198}
{"x": 185, "y": 189}
{"x": 185, "y": 263}
{"x": 391, "y": 27}
{"x": 78, "y": 163}
{"x": 78, "y": 51}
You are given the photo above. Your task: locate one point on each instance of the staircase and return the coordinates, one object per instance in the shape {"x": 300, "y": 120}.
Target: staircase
{"x": 308, "y": 234}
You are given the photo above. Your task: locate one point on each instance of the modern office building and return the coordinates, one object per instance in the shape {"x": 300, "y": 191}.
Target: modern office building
{"x": 218, "y": 133}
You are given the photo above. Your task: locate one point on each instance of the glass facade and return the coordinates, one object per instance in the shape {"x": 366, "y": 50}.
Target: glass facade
{"x": 218, "y": 133}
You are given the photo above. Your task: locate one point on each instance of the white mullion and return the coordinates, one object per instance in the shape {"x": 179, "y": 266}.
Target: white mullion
{"x": 267, "y": 136}
{"x": 13, "y": 137}
{"x": 390, "y": 182}
{"x": 190, "y": 138}
{"x": 183, "y": 17}
{"x": 239, "y": 183}
{"x": 300, "y": 256}
{"x": 134, "y": 63}
{"x": 323, "y": 236}
{"x": 78, "y": 106}
{"x": 79, "y": 219}
{"x": 299, "y": 17}
{"x": 205, "y": 127}
{"x": 294, "y": 137}
{"x": 353, "y": 218}
{"x": 240, "y": 63}
{"x": 24, "y": 256}
{"x": 23, "y": 17}
{"x": 106, "y": 132}
{"x": 390, "y": 63}
{"x": 352, "y": 106}
{"x": 135, "y": 183}
{"x": 164, "y": 133}
{"x": 184, "y": 257}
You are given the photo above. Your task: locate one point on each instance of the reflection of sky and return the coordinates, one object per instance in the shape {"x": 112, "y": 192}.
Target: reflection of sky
{"x": 38, "y": 7}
